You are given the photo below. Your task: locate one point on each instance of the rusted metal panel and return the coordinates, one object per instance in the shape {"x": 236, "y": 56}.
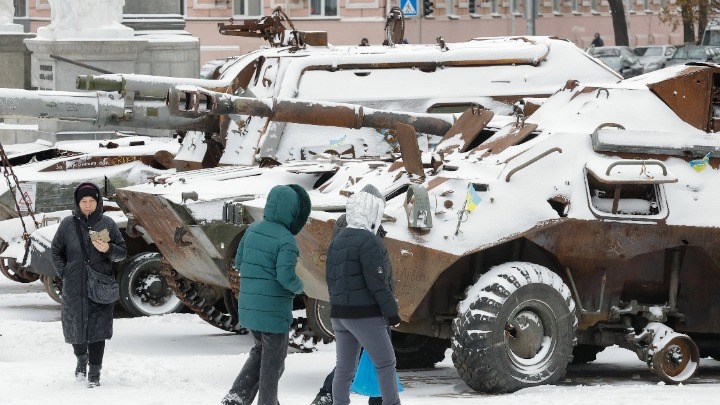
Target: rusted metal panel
{"x": 409, "y": 149}
{"x": 635, "y": 260}
{"x": 172, "y": 238}
{"x": 467, "y": 128}
{"x": 517, "y": 133}
{"x": 89, "y": 162}
{"x": 689, "y": 94}
{"x": 415, "y": 268}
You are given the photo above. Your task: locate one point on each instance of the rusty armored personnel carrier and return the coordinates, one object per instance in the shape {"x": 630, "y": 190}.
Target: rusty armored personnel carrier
{"x": 528, "y": 242}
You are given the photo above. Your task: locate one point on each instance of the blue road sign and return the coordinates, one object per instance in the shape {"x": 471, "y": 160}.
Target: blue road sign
{"x": 409, "y": 8}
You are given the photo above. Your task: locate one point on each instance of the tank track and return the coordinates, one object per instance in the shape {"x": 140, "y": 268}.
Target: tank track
{"x": 300, "y": 336}
{"x": 188, "y": 293}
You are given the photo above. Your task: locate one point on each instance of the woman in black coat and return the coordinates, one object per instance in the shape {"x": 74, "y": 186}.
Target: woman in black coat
{"x": 86, "y": 324}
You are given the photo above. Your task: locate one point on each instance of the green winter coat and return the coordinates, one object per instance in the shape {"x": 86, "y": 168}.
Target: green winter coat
{"x": 266, "y": 260}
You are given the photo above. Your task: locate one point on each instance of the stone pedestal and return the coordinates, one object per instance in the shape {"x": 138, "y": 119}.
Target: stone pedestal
{"x": 157, "y": 54}
{"x": 11, "y": 28}
{"x": 14, "y": 60}
{"x": 117, "y": 56}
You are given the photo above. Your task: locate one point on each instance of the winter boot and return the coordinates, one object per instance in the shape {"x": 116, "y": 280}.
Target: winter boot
{"x": 232, "y": 399}
{"x": 323, "y": 399}
{"x": 94, "y": 375}
{"x": 81, "y": 367}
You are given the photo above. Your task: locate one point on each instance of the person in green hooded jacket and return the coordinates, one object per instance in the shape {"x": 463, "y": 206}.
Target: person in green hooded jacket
{"x": 266, "y": 259}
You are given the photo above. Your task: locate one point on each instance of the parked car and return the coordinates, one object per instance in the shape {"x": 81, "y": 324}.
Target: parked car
{"x": 692, "y": 53}
{"x": 620, "y": 59}
{"x": 654, "y": 57}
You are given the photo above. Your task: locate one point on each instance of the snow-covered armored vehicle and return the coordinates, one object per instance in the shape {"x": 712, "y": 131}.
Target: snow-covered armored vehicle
{"x": 528, "y": 242}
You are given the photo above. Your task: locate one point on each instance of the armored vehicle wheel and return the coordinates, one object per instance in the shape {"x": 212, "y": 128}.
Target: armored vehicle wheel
{"x": 677, "y": 360}
{"x": 515, "y": 329}
{"x": 418, "y": 351}
{"x": 53, "y": 286}
{"x": 143, "y": 290}
{"x": 318, "y": 315}
{"x": 10, "y": 268}
{"x": 586, "y": 353}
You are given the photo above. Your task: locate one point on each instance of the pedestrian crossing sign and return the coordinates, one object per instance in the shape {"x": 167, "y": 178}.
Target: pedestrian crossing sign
{"x": 409, "y": 8}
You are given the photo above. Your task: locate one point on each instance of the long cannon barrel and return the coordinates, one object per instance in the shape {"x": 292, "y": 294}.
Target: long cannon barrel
{"x": 190, "y": 101}
{"x": 148, "y": 86}
{"x": 99, "y": 108}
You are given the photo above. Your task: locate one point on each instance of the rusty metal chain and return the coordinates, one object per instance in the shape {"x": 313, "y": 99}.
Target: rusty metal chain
{"x": 9, "y": 173}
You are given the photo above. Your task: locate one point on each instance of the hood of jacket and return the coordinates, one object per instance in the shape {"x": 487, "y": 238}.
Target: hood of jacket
{"x": 97, "y": 214}
{"x": 288, "y": 205}
{"x": 364, "y": 211}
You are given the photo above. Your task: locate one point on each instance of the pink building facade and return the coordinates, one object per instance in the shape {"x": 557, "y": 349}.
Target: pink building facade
{"x": 348, "y": 21}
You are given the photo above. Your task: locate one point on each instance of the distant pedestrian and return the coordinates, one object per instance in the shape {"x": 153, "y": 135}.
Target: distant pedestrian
{"x": 75, "y": 254}
{"x": 266, "y": 260}
{"x": 364, "y": 42}
{"x": 597, "y": 41}
{"x": 360, "y": 285}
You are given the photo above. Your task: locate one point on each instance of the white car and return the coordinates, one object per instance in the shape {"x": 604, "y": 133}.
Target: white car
{"x": 654, "y": 57}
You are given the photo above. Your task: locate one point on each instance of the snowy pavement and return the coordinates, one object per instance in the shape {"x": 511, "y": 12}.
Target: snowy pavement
{"x": 180, "y": 359}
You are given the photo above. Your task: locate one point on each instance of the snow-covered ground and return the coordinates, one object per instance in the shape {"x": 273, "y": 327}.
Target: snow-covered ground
{"x": 179, "y": 359}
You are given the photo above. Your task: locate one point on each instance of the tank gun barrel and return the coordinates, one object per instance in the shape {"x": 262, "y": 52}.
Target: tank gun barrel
{"x": 195, "y": 102}
{"x": 147, "y": 86}
{"x": 99, "y": 108}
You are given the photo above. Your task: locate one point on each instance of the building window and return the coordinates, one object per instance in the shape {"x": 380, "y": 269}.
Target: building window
{"x": 247, "y": 7}
{"x": 471, "y": 7}
{"x": 323, "y": 7}
{"x": 20, "y": 8}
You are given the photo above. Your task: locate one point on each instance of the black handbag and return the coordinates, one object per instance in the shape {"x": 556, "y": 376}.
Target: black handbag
{"x": 101, "y": 288}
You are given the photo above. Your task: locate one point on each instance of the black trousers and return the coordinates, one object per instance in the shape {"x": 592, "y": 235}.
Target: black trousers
{"x": 96, "y": 351}
{"x": 262, "y": 371}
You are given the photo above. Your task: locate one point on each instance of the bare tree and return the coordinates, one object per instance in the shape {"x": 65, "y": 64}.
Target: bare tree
{"x": 688, "y": 13}
{"x": 617, "y": 9}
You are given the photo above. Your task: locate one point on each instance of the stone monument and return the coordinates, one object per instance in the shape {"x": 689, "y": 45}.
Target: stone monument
{"x": 7, "y": 12}
{"x": 85, "y": 19}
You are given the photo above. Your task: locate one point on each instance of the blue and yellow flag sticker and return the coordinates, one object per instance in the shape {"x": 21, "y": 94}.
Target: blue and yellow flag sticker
{"x": 472, "y": 199}
{"x": 700, "y": 164}
{"x": 334, "y": 143}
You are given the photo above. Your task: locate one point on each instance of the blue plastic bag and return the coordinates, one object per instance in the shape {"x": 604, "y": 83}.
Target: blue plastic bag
{"x": 366, "y": 381}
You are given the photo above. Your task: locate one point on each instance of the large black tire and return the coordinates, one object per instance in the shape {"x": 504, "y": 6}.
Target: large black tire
{"x": 53, "y": 287}
{"x": 231, "y": 304}
{"x": 418, "y": 351}
{"x": 515, "y": 329}
{"x": 318, "y": 316}
{"x": 586, "y": 353}
{"x": 144, "y": 291}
